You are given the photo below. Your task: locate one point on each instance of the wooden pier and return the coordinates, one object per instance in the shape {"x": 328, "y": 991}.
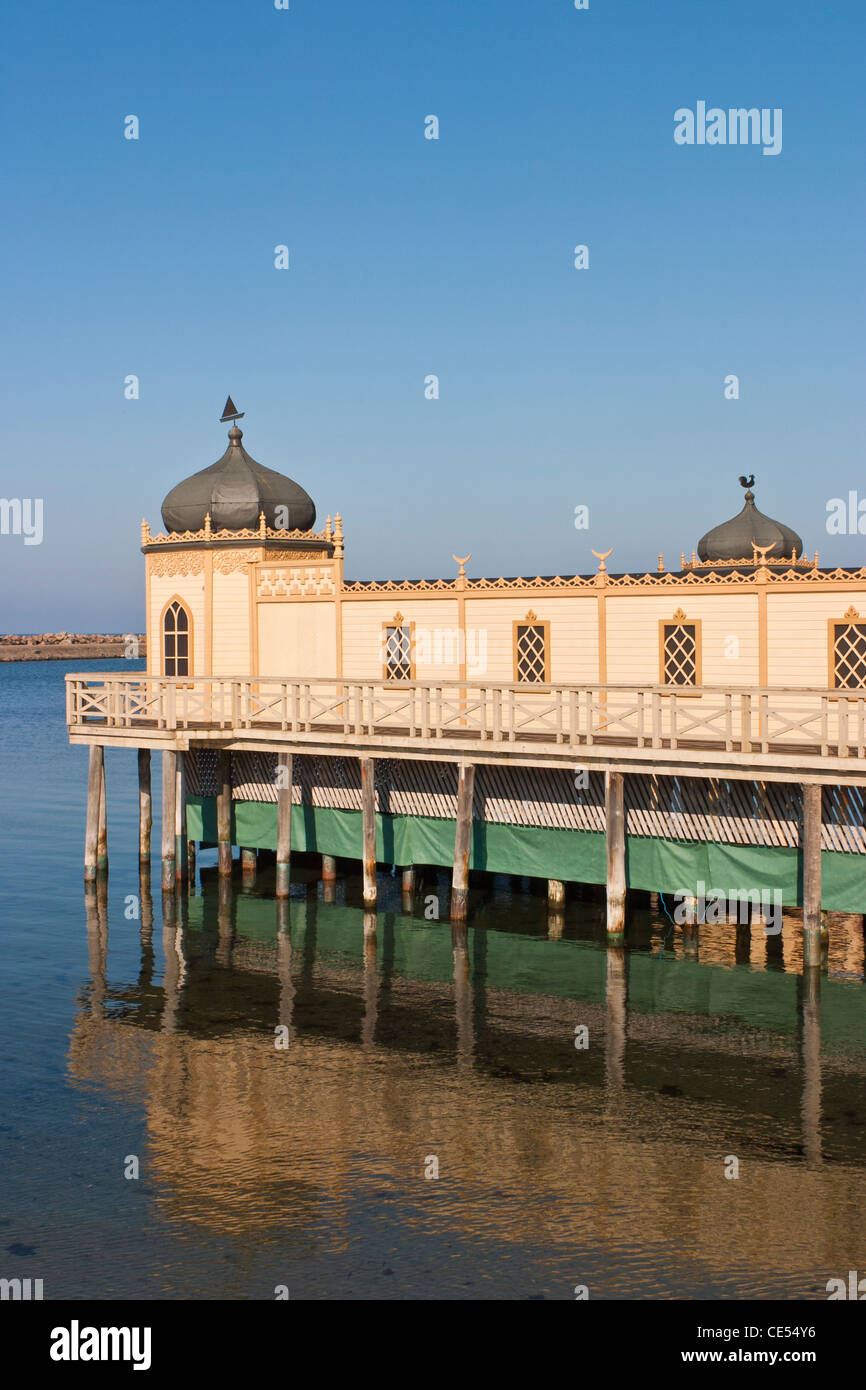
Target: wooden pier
{"x": 815, "y": 738}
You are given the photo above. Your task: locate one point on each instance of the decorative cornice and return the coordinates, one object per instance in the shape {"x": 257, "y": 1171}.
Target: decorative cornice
{"x": 229, "y": 561}
{"x": 174, "y": 563}
{"x": 251, "y": 536}
{"x": 720, "y": 578}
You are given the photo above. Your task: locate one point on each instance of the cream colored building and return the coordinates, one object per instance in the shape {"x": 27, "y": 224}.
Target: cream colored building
{"x": 269, "y": 598}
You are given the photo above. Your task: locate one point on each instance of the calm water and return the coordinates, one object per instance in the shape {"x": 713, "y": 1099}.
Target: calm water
{"x": 130, "y": 1029}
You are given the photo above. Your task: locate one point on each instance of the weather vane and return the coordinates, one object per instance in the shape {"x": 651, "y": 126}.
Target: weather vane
{"x": 231, "y": 412}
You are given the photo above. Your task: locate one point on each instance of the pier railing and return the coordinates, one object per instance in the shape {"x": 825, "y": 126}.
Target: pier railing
{"x": 758, "y": 721}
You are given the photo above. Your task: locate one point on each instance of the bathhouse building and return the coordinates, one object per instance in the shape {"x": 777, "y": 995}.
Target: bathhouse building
{"x": 699, "y": 720}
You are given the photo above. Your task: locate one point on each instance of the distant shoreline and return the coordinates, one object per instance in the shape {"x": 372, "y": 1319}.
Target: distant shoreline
{"x": 67, "y": 646}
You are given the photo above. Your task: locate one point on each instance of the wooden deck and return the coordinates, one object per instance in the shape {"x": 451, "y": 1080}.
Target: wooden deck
{"x": 790, "y": 734}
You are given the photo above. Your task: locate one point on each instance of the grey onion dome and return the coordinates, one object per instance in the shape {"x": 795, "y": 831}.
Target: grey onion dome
{"x": 736, "y": 539}
{"x": 235, "y": 490}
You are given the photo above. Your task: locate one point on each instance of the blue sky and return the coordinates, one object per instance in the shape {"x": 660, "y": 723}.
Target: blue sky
{"x": 411, "y": 257}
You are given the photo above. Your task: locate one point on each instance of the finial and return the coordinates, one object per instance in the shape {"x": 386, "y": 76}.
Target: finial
{"x": 682, "y": 559}
{"x": 328, "y": 529}
{"x": 461, "y": 575}
{"x": 263, "y": 525}
{"x": 694, "y": 558}
{"x": 338, "y": 534}
{"x": 759, "y": 555}
{"x": 207, "y": 526}
{"x": 601, "y": 556}
{"x": 231, "y": 412}
{"x": 661, "y": 563}
{"x": 145, "y": 532}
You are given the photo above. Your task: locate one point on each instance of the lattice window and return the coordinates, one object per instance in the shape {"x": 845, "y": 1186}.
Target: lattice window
{"x": 176, "y": 640}
{"x": 531, "y": 663}
{"x": 680, "y": 652}
{"x": 848, "y": 652}
{"x": 397, "y": 650}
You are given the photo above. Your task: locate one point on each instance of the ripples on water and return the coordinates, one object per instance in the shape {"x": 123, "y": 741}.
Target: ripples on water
{"x": 305, "y": 1166}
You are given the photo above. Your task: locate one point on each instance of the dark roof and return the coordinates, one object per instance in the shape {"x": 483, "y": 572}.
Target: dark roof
{"x": 234, "y": 490}
{"x": 736, "y": 539}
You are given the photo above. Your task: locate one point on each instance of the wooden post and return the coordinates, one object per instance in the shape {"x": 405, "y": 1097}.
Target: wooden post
{"x": 249, "y": 863}
{"x": 145, "y": 806}
{"x": 224, "y": 811}
{"x": 284, "y": 823}
{"x": 94, "y": 795}
{"x": 169, "y": 806}
{"x": 462, "y": 842}
{"x": 368, "y": 817}
{"x": 555, "y": 892}
{"x": 812, "y": 795}
{"x": 102, "y": 831}
{"x": 180, "y": 855}
{"x": 614, "y": 813}
{"x": 190, "y": 859}
{"x": 329, "y": 879}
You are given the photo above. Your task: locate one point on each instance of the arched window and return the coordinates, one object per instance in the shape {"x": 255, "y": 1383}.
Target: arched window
{"x": 176, "y": 637}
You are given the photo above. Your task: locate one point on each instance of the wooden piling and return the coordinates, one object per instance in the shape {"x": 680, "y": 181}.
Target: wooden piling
{"x": 284, "y": 823}
{"x": 94, "y": 795}
{"x": 102, "y": 830}
{"x": 249, "y": 864}
{"x": 462, "y": 842}
{"x": 329, "y": 879}
{"x": 614, "y": 813}
{"x": 224, "y": 811}
{"x": 812, "y": 796}
{"x": 180, "y": 854}
{"x": 145, "y": 806}
{"x": 368, "y": 817}
{"x": 169, "y": 809}
{"x": 555, "y": 892}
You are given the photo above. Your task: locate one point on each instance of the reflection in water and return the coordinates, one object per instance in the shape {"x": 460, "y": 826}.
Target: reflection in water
{"x": 408, "y": 1037}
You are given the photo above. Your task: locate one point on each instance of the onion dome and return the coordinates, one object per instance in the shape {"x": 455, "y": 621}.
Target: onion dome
{"x": 738, "y": 538}
{"x": 235, "y": 490}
